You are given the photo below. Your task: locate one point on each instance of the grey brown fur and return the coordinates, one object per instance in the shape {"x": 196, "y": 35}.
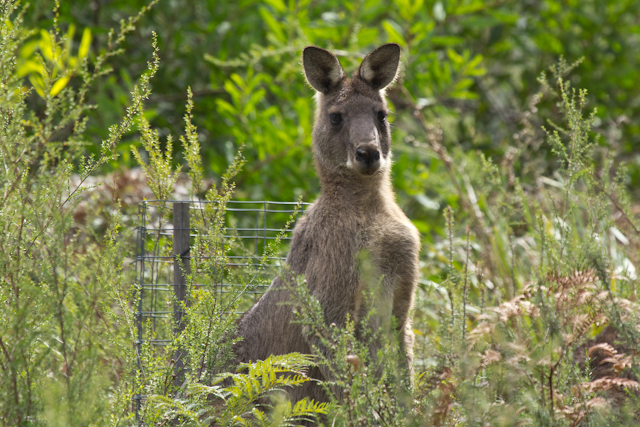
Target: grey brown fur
{"x": 355, "y": 212}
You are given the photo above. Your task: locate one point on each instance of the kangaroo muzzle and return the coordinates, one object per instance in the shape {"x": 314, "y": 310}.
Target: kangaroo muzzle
{"x": 367, "y": 159}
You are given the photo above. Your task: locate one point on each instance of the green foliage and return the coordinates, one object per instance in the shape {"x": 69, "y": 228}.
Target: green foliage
{"x": 273, "y": 374}
{"x": 470, "y": 68}
{"x": 62, "y": 64}
{"x": 57, "y": 270}
{"x": 240, "y": 401}
{"x": 367, "y": 382}
{"x": 527, "y": 310}
{"x": 517, "y": 355}
{"x": 200, "y": 397}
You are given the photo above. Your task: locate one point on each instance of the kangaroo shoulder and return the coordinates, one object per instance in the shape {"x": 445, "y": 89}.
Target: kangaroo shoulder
{"x": 401, "y": 233}
{"x": 301, "y": 244}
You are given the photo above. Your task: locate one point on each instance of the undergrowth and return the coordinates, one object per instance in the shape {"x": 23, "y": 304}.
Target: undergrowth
{"x": 529, "y": 315}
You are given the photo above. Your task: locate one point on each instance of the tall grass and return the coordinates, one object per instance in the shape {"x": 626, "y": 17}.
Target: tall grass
{"x": 527, "y": 313}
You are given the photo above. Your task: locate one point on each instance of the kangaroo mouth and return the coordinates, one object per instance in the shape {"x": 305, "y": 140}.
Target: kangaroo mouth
{"x": 368, "y": 170}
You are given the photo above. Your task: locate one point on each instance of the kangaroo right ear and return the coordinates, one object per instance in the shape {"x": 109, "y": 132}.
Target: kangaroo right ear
{"x": 379, "y": 68}
{"x": 321, "y": 68}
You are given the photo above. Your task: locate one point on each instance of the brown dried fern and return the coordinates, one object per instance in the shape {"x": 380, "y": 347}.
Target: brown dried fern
{"x": 604, "y": 384}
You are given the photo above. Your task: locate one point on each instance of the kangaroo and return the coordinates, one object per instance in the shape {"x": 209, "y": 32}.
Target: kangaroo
{"x": 355, "y": 212}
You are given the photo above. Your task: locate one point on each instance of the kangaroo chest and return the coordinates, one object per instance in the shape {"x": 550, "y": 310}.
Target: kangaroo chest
{"x": 338, "y": 241}
{"x": 372, "y": 233}
{"x": 368, "y": 235}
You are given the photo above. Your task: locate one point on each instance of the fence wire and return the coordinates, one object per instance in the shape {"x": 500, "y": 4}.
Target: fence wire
{"x": 166, "y": 233}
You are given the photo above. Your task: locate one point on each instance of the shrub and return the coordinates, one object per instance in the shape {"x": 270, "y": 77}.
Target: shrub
{"x": 527, "y": 313}
{"x": 58, "y": 270}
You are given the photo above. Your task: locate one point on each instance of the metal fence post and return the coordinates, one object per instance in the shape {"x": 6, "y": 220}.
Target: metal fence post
{"x": 181, "y": 268}
{"x": 140, "y": 267}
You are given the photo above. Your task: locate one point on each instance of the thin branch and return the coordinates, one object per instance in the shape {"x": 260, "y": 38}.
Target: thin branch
{"x": 624, "y": 214}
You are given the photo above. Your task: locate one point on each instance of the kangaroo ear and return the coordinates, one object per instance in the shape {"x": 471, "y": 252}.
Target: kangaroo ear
{"x": 321, "y": 68}
{"x": 380, "y": 67}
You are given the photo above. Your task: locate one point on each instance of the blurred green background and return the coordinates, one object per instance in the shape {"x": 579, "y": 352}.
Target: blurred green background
{"x": 468, "y": 85}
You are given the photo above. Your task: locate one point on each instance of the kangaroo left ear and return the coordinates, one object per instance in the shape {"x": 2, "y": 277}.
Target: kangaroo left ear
{"x": 380, "y": 67}
{"x": 321, "y": 68}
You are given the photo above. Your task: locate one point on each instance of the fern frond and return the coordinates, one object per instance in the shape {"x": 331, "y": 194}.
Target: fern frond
{"x": 177, "y": 408}
{"x": 604, "y": 347}
{"x": 303, "y": 411}
{"x": 603, "y": 384}
{"x": 263, "y": 379}
{"x": 490, "y": 356}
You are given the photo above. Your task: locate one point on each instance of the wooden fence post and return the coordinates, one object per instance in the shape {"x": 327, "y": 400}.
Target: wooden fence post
{"x": 181, "y": 268}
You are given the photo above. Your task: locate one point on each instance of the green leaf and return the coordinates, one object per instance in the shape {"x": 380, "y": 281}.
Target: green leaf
{"x": 59, "y": 85}
{"x": 253, "y": 100}
{"x": 277, "y": 5}
{"x": 446, "y": 40}
{"x": 473, "y": 68}
{"x": 475, "y": 61}
{"x": 29, "y": 67}
{"x": 474, "y": 6}
{"x": 505, "y": 17}
{"x": 238, "y": 80}
{"x": 225, "y": 107}
{"x": 420, "y": 30}
{"x": 85, "y": 43}
{"x": 29, "y": 48}
{"x": 480, "y": 22}
{"x": 422, "y": 226}
{"x": 38, "y": 84}
{"x": 394, "y": 32}
{"x": 464, "y": 84}
{"x": 454, "y": 57}
{"x": 232, "y": 90}
{"x": 415, "y": 8}
{"x": 367, "y": 36}
{"x": 546, "y": 42}
{"x": 45, "y": 45}
{"x": 463, "y": 94}
{"x": 403, "y": 6}
{"x": 275, "y": 27}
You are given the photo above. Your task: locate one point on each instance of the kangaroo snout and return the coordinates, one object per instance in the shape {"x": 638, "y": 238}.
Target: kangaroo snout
{"x": 367, "y": 159}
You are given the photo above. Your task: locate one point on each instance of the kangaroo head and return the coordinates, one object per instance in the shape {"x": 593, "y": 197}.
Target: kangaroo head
{"x": 351, "y": 134}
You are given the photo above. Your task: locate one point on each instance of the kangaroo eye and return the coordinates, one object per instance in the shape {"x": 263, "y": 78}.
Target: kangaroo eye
{"x": 336, "y": 118}
{"x": 382, "y": 116}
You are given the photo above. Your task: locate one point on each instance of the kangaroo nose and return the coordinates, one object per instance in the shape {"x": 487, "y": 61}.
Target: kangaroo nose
{"x": 367, "y": 154}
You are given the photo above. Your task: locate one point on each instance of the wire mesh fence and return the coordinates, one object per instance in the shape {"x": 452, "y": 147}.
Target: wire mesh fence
{"x": 252, "y": 238}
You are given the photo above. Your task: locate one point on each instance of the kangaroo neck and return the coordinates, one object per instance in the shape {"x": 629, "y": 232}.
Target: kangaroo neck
{"x": 356, "y": 191}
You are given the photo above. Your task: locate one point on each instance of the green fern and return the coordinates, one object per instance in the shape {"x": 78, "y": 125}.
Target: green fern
{"x": 243, "y": 401}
